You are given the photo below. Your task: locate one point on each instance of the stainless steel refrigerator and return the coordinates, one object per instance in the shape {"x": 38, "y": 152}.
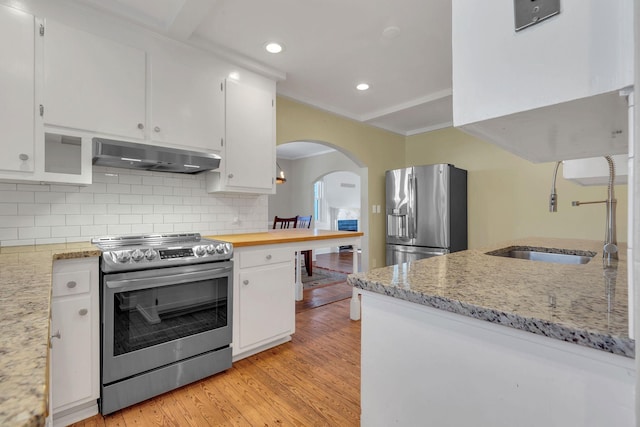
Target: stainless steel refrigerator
{"x": 426, "y": 209}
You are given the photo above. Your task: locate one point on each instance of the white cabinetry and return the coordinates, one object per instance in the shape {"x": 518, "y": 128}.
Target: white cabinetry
{"x": 93, "y": 83}
{"x": 17, "y": 91}
{"x": 248, "y": 159}
{"x": 424, "y": 366}
{"x": 550, "y": 91}
{"x": 75, "y": 345}
{"x": 264, "y": 299}
{"x": 187, "y": 98}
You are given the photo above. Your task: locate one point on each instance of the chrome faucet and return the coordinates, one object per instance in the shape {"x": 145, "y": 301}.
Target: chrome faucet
{"x": 610, "y": 249}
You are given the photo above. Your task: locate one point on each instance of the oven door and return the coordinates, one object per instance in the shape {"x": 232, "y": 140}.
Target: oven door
{"x": 153, "y": 318}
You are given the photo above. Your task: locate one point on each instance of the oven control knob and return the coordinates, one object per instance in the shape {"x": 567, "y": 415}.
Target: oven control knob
{"x": 137, "y": 255}
{"x": 123, "y": 256}
{"x": 150, "y": 254}
{"x": 220, "y": 248}
{"x": 201, "y": 250}
{"x": 211, "y": 249}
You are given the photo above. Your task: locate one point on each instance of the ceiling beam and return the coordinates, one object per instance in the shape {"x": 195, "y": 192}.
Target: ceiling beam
{"x": 190, "y": 17}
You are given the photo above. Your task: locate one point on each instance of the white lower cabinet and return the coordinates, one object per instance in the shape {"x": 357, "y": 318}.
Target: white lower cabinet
{"x": 75, "y": 342}
{"x": 264, "y": 299}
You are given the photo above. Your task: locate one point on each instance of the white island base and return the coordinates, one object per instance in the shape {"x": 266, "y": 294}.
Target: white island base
{"x": 424, "y": 366}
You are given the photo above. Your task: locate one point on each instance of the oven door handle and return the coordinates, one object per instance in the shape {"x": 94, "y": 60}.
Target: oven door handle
{"x": 164, "y": 280}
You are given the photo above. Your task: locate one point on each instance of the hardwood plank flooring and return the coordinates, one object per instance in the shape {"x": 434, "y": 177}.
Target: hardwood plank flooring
{"x": 318, "y": 296}
{"x": 313, "y": 380}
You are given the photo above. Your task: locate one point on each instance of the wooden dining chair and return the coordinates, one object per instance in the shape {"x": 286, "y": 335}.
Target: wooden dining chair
{"x": 281, "y": 223}
{"x": 305, "y": 222}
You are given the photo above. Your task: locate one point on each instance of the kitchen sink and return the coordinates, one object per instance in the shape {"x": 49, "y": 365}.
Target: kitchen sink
{"x": 558, "y": 256}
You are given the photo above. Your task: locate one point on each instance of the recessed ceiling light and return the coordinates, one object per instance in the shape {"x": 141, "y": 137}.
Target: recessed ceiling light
{"x": 362, "y": 86}
{"x": 391, "y": 32}
{"x": 273, "y": 47}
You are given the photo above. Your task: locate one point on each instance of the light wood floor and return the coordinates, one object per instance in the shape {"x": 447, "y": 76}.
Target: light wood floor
{"x": 314, "y": 380}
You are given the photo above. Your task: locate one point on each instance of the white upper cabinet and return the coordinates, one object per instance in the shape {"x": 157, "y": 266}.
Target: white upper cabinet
{"x": 550, "y": 91}
{"x": 187, "y": 99}
{"x": 249, "y": 152}
{"x": 93, "y": 83}
{"x": 17, "y": 91}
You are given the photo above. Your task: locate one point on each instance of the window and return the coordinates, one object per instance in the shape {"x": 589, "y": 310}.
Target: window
{"x": 318, "y": 201}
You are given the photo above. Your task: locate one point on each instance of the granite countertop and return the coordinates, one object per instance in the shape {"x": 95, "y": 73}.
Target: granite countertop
{"x": 582, "y": 304}
{"x": 25, "y": 297}
{"x": 283, "y": 236}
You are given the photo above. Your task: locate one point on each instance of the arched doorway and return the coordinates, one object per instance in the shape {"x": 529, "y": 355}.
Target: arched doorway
{"x": 304, "y": 163}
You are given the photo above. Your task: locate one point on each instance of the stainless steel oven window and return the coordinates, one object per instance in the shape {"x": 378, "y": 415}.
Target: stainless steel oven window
{"x": 147, "y": 317}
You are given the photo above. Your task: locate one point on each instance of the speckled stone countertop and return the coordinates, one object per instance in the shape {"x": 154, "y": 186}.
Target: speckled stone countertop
{"x": 582, "y": 304}
{"x": 25, "y": 296}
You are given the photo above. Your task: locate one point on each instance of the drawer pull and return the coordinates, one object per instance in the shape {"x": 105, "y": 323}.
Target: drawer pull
{"x": 72, "y": 284}
{"x": 83, "y": 312}
{"x": 245, "y": 282}
{"x": 269, "y": 256}
{"x": 56, "y": 335}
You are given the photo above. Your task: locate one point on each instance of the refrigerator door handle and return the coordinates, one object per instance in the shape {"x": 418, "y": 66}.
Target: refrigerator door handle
{"x": 413, "y": 185}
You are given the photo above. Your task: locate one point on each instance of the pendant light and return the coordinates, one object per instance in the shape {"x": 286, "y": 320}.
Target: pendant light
{"x": 280, "y": 179}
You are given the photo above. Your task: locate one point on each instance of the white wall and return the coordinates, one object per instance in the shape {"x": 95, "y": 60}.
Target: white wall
{"x": 122, "y": 201}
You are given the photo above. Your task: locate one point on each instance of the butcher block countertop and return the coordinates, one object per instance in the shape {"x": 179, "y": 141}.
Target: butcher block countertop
{"x": 581, "y": 304}
{"x": 25, "y": 304}
{"x": 283, "y": 236}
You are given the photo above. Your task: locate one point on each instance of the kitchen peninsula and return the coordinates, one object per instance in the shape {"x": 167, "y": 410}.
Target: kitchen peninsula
{"x": 471, "y": 338}
{"x": 26, "y": 297}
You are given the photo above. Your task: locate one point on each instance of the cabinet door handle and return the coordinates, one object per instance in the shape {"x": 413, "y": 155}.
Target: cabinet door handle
{"x": 140, "y": 126}
{"x": 72, "y": 284}
{"x": 245, "y": 282}
{"x": 156, "y": 129}
{"x": 269, "y": 256}
{"x": 23, "y": 157}
{"x": 230, "y": 175}
{"x": 83, "y": 312}
{"x": 56, "y": 335}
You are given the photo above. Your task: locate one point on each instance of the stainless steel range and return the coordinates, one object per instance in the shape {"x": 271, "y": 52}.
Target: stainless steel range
{"x": 166, "y": 304}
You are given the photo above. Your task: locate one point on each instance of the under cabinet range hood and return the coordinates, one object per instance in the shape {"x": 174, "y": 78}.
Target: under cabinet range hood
{"x": 131, "y": 155}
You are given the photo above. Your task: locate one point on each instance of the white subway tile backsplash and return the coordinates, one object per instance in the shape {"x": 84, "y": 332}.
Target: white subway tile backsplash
{"x": 106, "y": 219}
{"x": 153, "y": 219}
{"x": 130, "y": 199}
{"x": 123, "y": 202}
{"x": 33, "y": 187}
{"x": 141, "y": 189}
{"x": 106, "y": 198}
{"x": 80, "y": 198}
{"x": 163, "y": 209}
{"x": 34, "y": 209}
{"x": 34, "y": 232}
{"x": 79, "y": 219}
{"x": 152, "y": 200}
{"x": 17, "y": 196}
{"x": 67, "y": 231}
{"x": 49, "y": 220}
{"x": 130, "y": 179}
{"x": 163, "y": 228}
{"x": 93, "y": 230}
{"x": 141, "y": 209}
{"x": 97, "y": 208}
{"x": 49, "y": 197}
{"x": 115, "y": 230}
{"x": 119, "y": 209}
{"x": 130, "y": 219}
{"x": 8, "y": 209}
{"x": 8, "y": 234}
{"x": 119, "y": 188}
{"x": 58, "y": 209}
{"x": 18, "y": 221}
